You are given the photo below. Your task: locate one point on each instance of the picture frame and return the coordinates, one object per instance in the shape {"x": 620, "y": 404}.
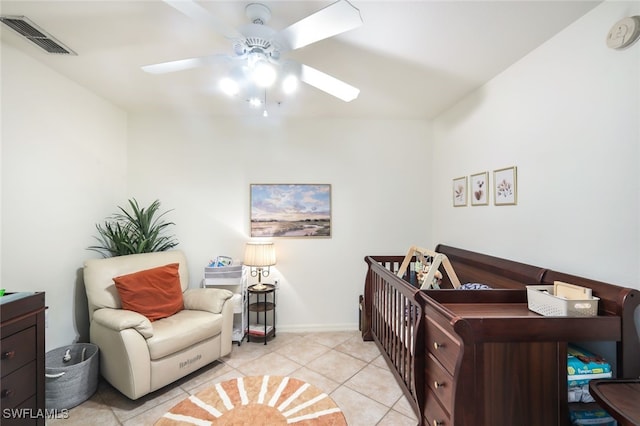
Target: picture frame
{"x": 479, "y": 189}
{"x": 459, "y": 191}
{"x": 505, "y": 186}
{"x": 290, "y": 210}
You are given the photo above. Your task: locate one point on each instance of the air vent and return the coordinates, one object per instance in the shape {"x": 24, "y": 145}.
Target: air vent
{"x": 27, "y": 29}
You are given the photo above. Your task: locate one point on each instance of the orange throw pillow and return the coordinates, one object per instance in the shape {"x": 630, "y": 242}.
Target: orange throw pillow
{"x": 155, "y": 293}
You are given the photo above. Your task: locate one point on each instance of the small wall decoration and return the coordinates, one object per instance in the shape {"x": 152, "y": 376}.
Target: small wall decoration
{"x": 290, "y": 210}
{"x": 505, "y": 186}
{"x": 480, "y": 189}
{"x": 460, "y": 192}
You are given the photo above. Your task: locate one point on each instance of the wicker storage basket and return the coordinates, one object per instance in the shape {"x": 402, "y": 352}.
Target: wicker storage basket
{"x": 69, "y": 383}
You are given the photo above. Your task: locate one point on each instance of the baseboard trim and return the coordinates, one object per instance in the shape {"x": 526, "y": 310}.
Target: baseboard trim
{"x": 306, "y": 328}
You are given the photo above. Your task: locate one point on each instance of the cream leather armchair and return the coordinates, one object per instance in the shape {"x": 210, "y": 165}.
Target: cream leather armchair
{"x": 138, "y": 356}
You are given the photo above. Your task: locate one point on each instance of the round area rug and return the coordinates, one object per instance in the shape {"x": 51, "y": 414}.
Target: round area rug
{"x": 262, "y": 400}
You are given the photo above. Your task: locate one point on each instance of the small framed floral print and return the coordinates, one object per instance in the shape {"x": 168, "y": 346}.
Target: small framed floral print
{"x": 460, "y": 192}
{"x": 505, "y": 186}
{"x": 479, "y": 189}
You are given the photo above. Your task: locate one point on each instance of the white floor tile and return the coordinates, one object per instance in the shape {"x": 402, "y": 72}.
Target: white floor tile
{"x": 339, "y": 363}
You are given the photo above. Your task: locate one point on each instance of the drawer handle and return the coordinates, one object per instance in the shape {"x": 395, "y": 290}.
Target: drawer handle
{"x": 437, "y": 345}
{"x": 438, "y": 385}
{"x": 7, "y": 393}
{"x": 437, "y": 423}
{"x": 8, "y": 354}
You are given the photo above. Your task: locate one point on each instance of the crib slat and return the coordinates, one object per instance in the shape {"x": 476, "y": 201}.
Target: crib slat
{"x": 395, "y": 325}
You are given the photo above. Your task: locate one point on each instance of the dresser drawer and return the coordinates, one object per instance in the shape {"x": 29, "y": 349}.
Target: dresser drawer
{"x": 17, "y": 350}
{"x": 441, "y": 343}
{"x": 26, "y": 414}
{"x": 18, "y": 386}
{"x": 434, "y": 415}
{"x": 440, "y": 382}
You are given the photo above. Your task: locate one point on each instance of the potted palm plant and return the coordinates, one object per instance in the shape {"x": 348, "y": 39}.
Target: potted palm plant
{"x": 142, "y": 230}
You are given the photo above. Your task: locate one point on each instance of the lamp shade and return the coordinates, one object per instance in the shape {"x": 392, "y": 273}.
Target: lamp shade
{"x": 260, "y": 254}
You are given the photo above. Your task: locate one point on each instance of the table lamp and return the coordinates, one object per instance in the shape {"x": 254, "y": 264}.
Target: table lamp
{"x": 258, "y": 256}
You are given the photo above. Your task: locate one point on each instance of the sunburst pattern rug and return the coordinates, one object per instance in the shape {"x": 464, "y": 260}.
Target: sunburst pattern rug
{"x": 262, "y": 400}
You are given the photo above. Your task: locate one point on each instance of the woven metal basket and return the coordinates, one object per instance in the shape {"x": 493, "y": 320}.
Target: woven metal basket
{"x": 71, "y": 375}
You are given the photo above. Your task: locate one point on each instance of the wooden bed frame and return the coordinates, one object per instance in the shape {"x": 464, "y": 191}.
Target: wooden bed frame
{"x": 397, "y": 316}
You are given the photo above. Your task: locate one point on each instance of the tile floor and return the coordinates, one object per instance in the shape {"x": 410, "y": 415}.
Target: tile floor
{"x": 351, "y": 371}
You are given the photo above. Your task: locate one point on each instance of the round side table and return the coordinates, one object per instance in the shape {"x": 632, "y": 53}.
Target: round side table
{"x": 261, "y": 301}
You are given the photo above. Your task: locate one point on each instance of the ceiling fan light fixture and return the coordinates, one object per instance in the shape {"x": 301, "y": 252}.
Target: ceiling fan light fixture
{"x": 255, "y": 102}
{"x": 290, "y": 84}
{"x": 263, "y": 74}
{"x": 229, "y": 86}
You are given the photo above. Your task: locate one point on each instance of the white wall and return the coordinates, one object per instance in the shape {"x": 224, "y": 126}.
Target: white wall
{"x": 567, "y": 116}
{"x": 202, "y": 168}
{"x": 63, "y": 168}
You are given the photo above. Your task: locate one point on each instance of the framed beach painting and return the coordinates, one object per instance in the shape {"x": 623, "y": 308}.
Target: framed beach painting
{"x": 505, "y": 186}
{"x": 480, "y": 189}
{"x": 290, "y": 210}
{"x": 460, "y": 192}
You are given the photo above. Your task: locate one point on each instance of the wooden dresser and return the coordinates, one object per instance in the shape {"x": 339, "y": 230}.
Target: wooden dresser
{"x": 491, "y": 361}
{"x": 22, "y": 359}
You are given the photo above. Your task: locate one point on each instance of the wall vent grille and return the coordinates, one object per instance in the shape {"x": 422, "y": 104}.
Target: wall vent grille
{"x": 27, "y": 29}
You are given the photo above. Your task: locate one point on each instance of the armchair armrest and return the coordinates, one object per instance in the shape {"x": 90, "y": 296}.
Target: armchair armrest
{"x": 206, "y": 299}
{"x": 122, "y": 319}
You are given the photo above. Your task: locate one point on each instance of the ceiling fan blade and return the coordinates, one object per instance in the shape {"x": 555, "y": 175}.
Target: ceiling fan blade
{"x": 198, "y": 13}
{"x": 328, "y": 84}
{"x": 334, "y": 19}
{"x": 183, "y": 64}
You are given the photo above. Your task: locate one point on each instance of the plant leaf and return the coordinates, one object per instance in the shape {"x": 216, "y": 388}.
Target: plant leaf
{"x": 140, "y": 230}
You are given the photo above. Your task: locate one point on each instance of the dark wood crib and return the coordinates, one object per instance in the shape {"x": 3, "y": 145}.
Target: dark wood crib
{"x": 481, "y": 357}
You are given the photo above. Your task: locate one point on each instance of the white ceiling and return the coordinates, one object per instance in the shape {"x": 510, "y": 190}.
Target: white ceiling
{"x": 410, "y": 59}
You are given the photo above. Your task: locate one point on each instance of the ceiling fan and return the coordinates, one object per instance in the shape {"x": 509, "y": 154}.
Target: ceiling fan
{"x": 257, "y": 60}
